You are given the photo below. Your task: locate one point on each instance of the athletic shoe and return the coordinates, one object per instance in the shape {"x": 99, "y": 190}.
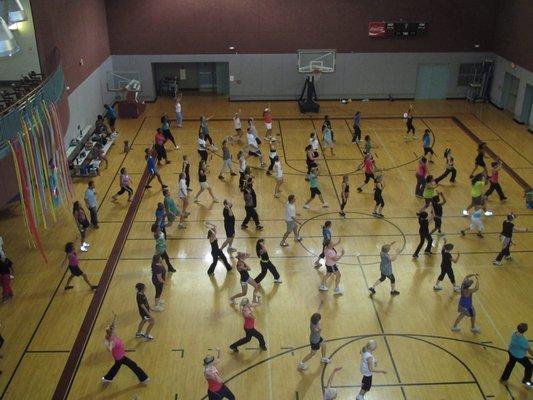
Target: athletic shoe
{"x": 148, "y": 337}
{"x": 284, "y": 244}
{"x": 232, "y": 301}
{"x": 465, "y": 213}
{"x": 508, "y": 257}
{"x": 479, "y": 235}
{"x": 415, "y": 256}
{"x": 164, "y": 186}
{"x": 278, "y": 280}
{"x": 359, "y": 397}
{"x": 231, "y": 249}
{"x": 375, "y": 214}
{"x": 276, "y": 195}
{"x": 342, "y": 214}
{"x": 325, "y": 360}
{"x": 456, "y": 329}
{"x": 372, "y": 291}
{"x": 244, "y": 226}
{"x": 325, "y": 205}
{"x": 302, "y": 366}
{"x": 177, "y": 147}
{"x": 104, "y": 380}
{"x": 161, "y": 301}
{"x": 307, "y": 206}
{"x": 497, "y": 263}
{"x": 139, "y": 335}
{"x": 437, "y": 287}
{"x": 463, "y": 233}
{"x": 269, "y": 173}
{"x": 381, "y": 215}
{"x": 298, "y": 238}
{"x": 323, "y": 288}
{"x": 234, "y": 349}
{"x": 263, "y": 348}
{"x": 259, "y": 228}
{"x": 84, "y": 249}
{"x": 69, "y": 287}
{"x": 488, "y": 213}
{"x": 528, "y": 384}
{"x": 221, "y": 177}
{"x": 337, "y": 291}
{"x": 475, "y": 329}
{"x": 158, "y": 308}
{"x": 145, "y": 382}
{"x": 146, "y": 187}
{"x": 457, "y": 289}
{"x": 359, "y": 190}
{"x": 394, "y": 293}
{"x": 233, "y": 173}
{"x": 94, "y": 287}
{"x": 503, "y": 382}
{"x": 187, "y": 213}
{"x": 428, "y": 253}
{"x": 182, "y": 225}
{"x": 171, "y": 269}
{"x": 88, "y": 245}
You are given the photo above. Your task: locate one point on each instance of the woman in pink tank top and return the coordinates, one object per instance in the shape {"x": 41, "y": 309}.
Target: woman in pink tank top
{"x": 216, "y": 389}
{"x": 116, "y": 347}
{"x": 247, "y": 310}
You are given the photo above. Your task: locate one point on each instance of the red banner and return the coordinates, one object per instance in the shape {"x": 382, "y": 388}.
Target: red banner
{"x": 376, "y": 29}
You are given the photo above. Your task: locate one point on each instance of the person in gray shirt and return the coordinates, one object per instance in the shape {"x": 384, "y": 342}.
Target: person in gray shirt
{"x": 92, "y": 203}
{"x": 385, "y": 267}
{"x": 316, "y": 342}
{"x": 226, "y": 157}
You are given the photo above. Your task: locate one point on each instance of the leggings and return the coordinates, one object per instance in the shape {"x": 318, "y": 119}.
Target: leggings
{"x": 271, "y": 166}
{"x": 428, "y": 150}
{"x": 168, "y": 135}
{"x": 222, "y": 393}
{"x": 266, "y": 266}
{"x": 420, "y": 185}
{"x": 158, "y": 289}
{"x": 249, "y": 334}
{"x": 124, "y": 189}
{"x": 251, "y": 214}
{"x": 218, "y": 254}
{"x": 141, "y": 375}
{"x": 446, "y": 270}
{"x": 343, "y": 203}
{"x": 506, "y": 249}
{"x": 510, "y": 365}
{"x": 495, "y": 186}
{"x": 356, "y": 133}
{"x": 164, "y": 256}
{"x": 448, "y": 171}
{"x": 423, "y": 237}
{"x": 410, "y": 127}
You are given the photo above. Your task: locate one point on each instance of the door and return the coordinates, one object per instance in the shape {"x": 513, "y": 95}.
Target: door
{"x": 222, "y": 69}
{"x": 526, "y": 105}
{"x": 510, "y": 92}
{"x": 432, "y": 81}
{"x": 207, "y": 77}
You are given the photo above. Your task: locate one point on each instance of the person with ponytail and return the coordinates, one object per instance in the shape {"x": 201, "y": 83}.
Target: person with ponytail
{"x": 266, "y": 264}
{"x": 247, "y": 310}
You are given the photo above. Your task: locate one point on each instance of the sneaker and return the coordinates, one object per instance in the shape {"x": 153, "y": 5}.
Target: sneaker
{"x": 276, "y": 195}
{"x": 139, "y": 335}
{"x": 497, "y": 263}
{"x": 232, "y": 301}
{"x": 337, "y": 291}
{"x": 259, "y": 228}
{"x": 428, "y": 253}
{"x": 456, "y": 329}
{"x": 284, "y": 244}
{"x": 375, "y": 214}
{"x": 394, "y": 293}
{"x": 457, "y": 289}
{"x": 302, "y": 366}
{"x": 323, "y": 288}
{"x": 88, "y": 245}
{"x": 158, "y": 308}
{"x": 437, "y": 287}
{"x": 244, "y": 226}
{"x": 161, "y": 301}
{"x": 372, "y": 291}
{"x": 182, "y": 225}
{"x": 325, "y": 360}
{"x": 342, "y": 214}
{"x": 177, "y": 147}
{"x": 164, "y": 186}
{"x": 94, "y": 287}
{"x": 528, "y": 384}
{"x": 263, "y": 348}
{"x": 231, "y": 249}
{"x": 480, "y": 235}
{"x": 148, "y": 337}
{"x": 234, "y": 349}
{"x": 233, "y": 173}
{"x": 475, "y": 329}
{"x": 278, "y": 280}
{"x": 463, "y": 233}
{"x": 465, "y": 213}
{"x": 104, "y": 380}
{"x": 145, "y": 382}
{"x": 415, "y": 256}
{"x": 307, "y": 206}
{"x": 359, "y": 397}
{"x": 325, "y": 205}
{"x": 84, "y": 249}
{"x": 69, "y": 287}
{"x": 381, "y": 215}
{"x": 171, "y": 269}
{"x": 221, "y": 177}
{"x": 488, "y": 213}
{"x": 298, "y": 238}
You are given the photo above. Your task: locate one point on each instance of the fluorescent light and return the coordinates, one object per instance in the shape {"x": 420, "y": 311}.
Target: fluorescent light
{"x": 15, "y": 11}
{"x": 13, "y": 26}
{"x": 8, "y": 44}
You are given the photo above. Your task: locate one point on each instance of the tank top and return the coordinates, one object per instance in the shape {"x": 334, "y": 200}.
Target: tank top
{"x": 249, "y": 322}
{"x": 201, "y": 176}
{"x": 245, "y": 276}
{"x": 210, "y": 372}
{"x": 465, "y": 301}
{"x": 118, "y": 349}
{"x": 214, "y": 245}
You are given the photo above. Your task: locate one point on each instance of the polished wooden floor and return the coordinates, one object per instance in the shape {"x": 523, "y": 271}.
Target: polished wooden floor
{"x": 423, "y": 358}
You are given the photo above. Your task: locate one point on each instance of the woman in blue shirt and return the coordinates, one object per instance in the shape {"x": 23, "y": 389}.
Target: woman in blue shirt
{"x": 428, "y": 148}
{"x": 518, "y": 349}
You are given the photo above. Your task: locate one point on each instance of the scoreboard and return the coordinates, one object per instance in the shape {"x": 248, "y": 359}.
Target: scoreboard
{"x": 396, "y": 29}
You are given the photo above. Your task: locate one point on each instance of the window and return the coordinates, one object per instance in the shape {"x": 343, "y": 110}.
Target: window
{"x": 469, "y": 73}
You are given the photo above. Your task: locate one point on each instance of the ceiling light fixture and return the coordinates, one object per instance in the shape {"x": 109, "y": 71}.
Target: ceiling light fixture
{"x": 8, "y": 44}
{"x": 16, "y": 12}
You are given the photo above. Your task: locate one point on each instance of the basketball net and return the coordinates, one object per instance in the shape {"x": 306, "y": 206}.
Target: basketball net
{"x": 316, "y": 73}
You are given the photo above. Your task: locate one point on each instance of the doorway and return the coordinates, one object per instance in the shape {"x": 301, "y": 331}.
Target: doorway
{"x": 432, "y": 81}
{"x": 510, "y": 92}
{"x": 527, "y": 106}
{"x": 205, "y": 77}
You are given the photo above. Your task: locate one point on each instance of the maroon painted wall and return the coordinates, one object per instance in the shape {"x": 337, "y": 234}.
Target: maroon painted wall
{"x": 512, "y": 40}
{"x": 283, "y": 26}
{"x": 78, "y": 28}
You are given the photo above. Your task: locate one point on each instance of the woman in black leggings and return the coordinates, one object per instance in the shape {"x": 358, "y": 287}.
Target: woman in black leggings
{"x": 266, "y": 264}
{"x": 215, "y": 250}
{"x": 446, "y": 267}
{"x": 247, "y": 310}
{"x": 423, "y": 231}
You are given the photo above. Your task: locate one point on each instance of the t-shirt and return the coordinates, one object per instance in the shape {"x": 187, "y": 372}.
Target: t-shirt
{"x": 385, "y": 266}
{"x": 494, "y": 177}
{"x": 242, "y": 164}
{"x": 226, "y": 154}
{"x": 165, "y": 126}
{"x": 327, "y": 135}
{"x": 365, "y": 356}
{"x": 424, "y": 225}
{"x": 330, "y": 256}
{"x": 237, "y": 123}
{"x": 170, "y": 205}
{"x": 183, "y": 188}
{"x": 437, "y": 208}
{"x": 251, "y": 140}
{"x": 142, "y": 301}
{"x": 178, "y": 107}
{"x": 212, "y": 376}
{"x": 368, "y": 146}
{"x": 519, "y": 345}
{"x": 326, "y": 233}
{"x": 314, "y": 337}
{"x": 268, "y": 118}
{"x": 314, "y": 143}
{"x": 446, "y": 259}
{"x": 229, "y": 219}
{"x": 160, "y": 217}
{"x": 111, "y": 114}
{"x": 477, "y": 188}
{"x": 290, "y": 212}
{"x": 160, "y": 244}
{"x": 476, "y": 215}
{"x": 125, "y": 180}
{"x": 150, "y": 161}
{"x": 507, "y": 229}
{"x": 422, "y": 170}
{"x": 90, "y": 198}
{"x": 313, "y": 181}
{"x": 73, "y": 259}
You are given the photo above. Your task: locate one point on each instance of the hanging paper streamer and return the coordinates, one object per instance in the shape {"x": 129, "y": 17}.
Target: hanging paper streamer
{"x": 42, "y": 169}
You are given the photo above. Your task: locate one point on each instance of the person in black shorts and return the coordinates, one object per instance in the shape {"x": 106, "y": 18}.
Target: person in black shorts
{"x": 437, "y": 204}
{"x": 446, "y": 267}
{"x": 480, "y": 161}
{"x": 423, "y": 231}
{"x": 229, "y": 226}
{"x": 378, "y": 196}
{"x": 74, "y": 267}
{"x": 144, "y": 312}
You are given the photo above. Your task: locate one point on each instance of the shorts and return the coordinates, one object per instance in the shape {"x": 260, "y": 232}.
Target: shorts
{"x": 245, "y": 283}
{"x": 268, "y": 125}
{"x": 75, "y": 270}
{"x": 230, "y": 231}
{"x": 328, "y": 143}
{"x": 314, "y": 192}
{"x": 477, "y": 201}
{"x": 366, "y": 383}
{"x": 279, "y": 178}
{"x": 204, "y": 185}
{"x": 467, "y": 312}
{"x": 476, "y": 225}
{"x": 291, "y": 225}
{"x": 316, "y": 346}
{"x": 144, "y": 316}
{"x": 330, "y": 269}
{"x": 203, "y": 154}
{"x": 391, "y": 278}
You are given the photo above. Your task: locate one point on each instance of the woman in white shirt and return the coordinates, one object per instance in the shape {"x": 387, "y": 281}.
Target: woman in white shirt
{"x": 237, "y": 125}
{"x": 278, "y": 173}
{"x": 368, "y": 362}
{"x": 183, "y": 195}
{"x": 291, "y": 221}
